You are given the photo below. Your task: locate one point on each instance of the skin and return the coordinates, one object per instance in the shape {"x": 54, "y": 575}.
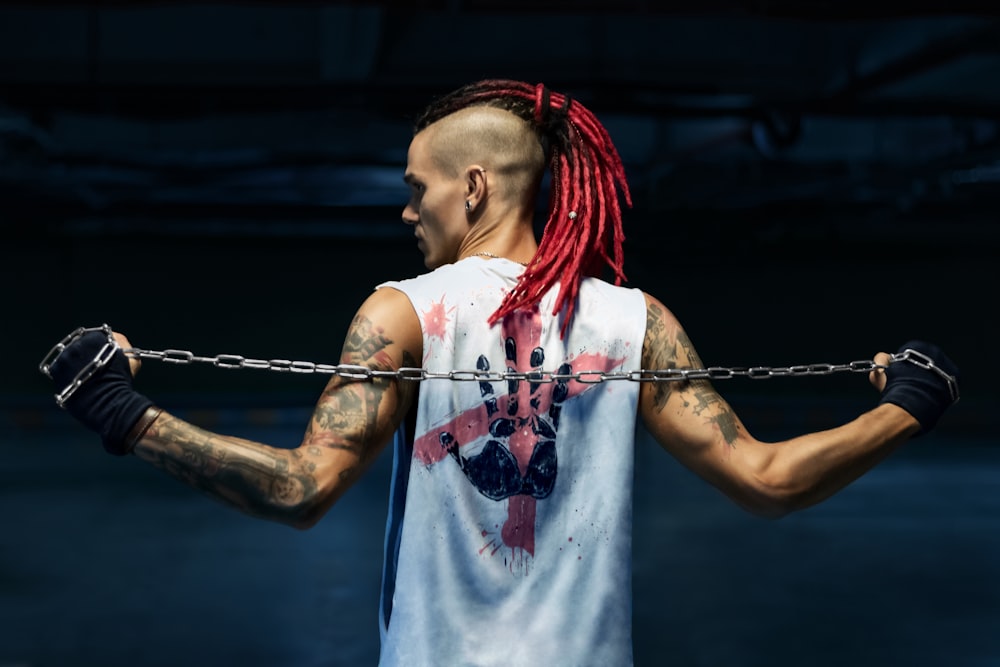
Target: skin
{"x": 499, "y": 215}
{"x": 350, "y": 425}
{"x": 696, "y": 425}
{"x": 353, "y": 420}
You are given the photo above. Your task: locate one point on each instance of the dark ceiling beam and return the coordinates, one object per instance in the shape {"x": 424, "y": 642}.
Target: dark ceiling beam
{"x": 165, "y": 101}
{"x": 801, "y": 9}
{"x": 403, "y": 101}
{"x": 984, "y": 39}
{"x": 779, "y": 9}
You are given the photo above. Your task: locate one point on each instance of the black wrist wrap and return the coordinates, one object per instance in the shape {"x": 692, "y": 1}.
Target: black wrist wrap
{"x": 106, "y": 402}
{"x": 922, "y": 392}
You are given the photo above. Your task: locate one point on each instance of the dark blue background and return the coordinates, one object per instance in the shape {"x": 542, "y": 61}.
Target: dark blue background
{"x": 812, "y": 184}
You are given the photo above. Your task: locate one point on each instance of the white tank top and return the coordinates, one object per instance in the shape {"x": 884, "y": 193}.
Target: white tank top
{"x": 509, "y": 535}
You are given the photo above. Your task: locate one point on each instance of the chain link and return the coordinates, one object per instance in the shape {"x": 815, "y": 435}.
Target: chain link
{"x": 410, "y": 374}
{"x": 923, "y": 361}
{"x": 103, "y": 356}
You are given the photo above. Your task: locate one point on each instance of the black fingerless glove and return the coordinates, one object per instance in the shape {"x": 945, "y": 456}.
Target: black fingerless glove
{"x": 106, "y": 402}
{"x": 919, "y": 389}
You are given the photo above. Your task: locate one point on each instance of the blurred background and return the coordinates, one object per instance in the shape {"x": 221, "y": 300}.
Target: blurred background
{"x": 812, "y": 182}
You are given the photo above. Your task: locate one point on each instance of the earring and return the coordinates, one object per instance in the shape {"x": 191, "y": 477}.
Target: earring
{"x": 468, "y": 206}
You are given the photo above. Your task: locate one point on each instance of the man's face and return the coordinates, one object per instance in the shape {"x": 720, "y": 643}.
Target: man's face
{"x": 437, "y": 205}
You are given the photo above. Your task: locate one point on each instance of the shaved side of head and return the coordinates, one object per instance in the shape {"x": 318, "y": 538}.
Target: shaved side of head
{"x": 506, "y": 146}
{"x": 583, "y": 232}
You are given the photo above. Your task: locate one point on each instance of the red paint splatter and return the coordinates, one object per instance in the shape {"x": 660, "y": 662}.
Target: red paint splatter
{"x": 436, "y": 319}
{"x": 519, "y": 530}
{"x": 495, "y": 547}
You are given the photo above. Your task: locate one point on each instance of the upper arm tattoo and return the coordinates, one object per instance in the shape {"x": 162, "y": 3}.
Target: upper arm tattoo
{"x": 665, "y": 345}
{"x": 710, "y": 406}
{"x": 283, "y": 484}
{"x": 660, "y": 350}
{"x": 347, "y": 415}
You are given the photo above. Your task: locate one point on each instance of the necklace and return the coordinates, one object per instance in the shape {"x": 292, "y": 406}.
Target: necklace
{"x": 485, "y": 253}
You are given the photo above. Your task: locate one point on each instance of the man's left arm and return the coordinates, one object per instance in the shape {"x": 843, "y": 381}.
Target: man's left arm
{"x": 695, "y": 424}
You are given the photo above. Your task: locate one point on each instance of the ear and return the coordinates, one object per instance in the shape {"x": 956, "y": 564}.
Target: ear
{"x": 476, "y": 187}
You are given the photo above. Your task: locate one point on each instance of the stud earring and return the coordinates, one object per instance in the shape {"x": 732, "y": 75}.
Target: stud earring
{"x": 468, "y": 206}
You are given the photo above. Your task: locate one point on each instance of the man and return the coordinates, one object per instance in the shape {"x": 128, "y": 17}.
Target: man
{"x": 509, "y": 536}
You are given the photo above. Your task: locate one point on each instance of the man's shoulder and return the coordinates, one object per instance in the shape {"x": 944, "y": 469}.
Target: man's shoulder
{"x": 467, "y": 273}
{"x": 411, "y": 280}
{"x": 610, "y": 290}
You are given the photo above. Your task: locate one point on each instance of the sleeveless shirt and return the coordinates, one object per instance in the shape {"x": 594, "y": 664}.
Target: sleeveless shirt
{"x": 509, "y": 536}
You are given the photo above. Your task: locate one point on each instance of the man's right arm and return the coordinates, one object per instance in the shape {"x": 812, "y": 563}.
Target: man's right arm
{"x": 352, "y": 422}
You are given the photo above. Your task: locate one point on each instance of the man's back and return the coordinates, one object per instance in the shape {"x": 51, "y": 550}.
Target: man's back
{"x": 518, "y": 495}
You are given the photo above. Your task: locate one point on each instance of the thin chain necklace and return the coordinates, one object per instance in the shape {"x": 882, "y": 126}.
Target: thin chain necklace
{"x": 485, "y": 253}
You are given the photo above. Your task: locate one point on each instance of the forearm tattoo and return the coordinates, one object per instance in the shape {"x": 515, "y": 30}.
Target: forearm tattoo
{"x": 667, "y": 346}
{"x": 262, "y": 481}
{"x": 283, "y": 484}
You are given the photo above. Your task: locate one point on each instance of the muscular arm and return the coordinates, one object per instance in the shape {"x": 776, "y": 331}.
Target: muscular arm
{"x": 352, "y": 422}
{"x": 695, "y": 424}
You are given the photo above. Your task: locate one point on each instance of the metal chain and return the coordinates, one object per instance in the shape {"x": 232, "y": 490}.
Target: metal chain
{"x": 356, "y": 372}
{"x": 104, "y": 355}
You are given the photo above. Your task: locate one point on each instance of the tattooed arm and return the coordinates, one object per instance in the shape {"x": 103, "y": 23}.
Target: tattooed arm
{"x": 695, "y": 424}
{"x": 352, "y": 422}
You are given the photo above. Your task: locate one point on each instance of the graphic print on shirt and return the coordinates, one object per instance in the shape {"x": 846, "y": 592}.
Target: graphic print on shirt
{"x": 518, "y": 464}
{"x": 495, "y": 471}
{"x": 435, "y": 322}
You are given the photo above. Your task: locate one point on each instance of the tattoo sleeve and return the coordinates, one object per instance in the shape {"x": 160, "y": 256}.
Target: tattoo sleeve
{"x": 667, "y": 346}
{"x": 659, "y": 352}
{"x": 351, "y": 421}
{"x": 273, "y": 483}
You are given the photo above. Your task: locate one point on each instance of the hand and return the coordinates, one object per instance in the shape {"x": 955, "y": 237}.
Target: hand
{"x": 133, "y": 364}
{"x": 494, "y": 471}
{"x": 917, "y": 387}
{"x": 105, "y": 402}
{"x": 877, "y": 376}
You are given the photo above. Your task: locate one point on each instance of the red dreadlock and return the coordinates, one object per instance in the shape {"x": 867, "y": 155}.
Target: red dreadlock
{"x": 583, "y": 233}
